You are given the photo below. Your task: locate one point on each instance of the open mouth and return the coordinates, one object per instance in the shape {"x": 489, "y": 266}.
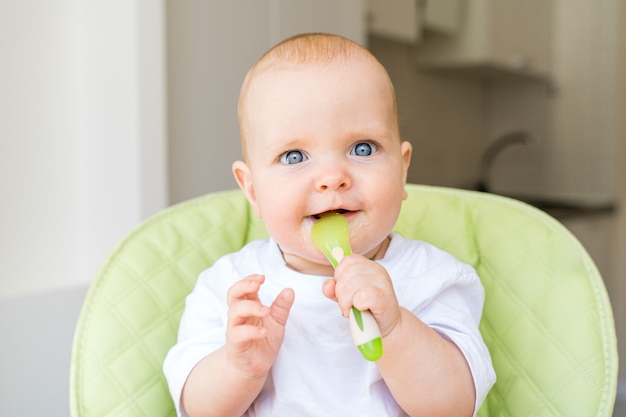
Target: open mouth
{"x": 339, "y": 211}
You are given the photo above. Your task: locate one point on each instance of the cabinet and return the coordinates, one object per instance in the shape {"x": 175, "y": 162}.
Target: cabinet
{"x": 398, "y": 20}
{"x": 406, "y": 20}
{"x": 494, "y": 38}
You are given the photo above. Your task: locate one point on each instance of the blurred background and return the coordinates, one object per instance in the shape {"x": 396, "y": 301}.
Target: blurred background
{"x": 112, "y": 110}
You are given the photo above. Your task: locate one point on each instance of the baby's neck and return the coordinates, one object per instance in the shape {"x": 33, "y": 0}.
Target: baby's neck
{"x": 312, "y": 268}
{"x": 379, "y": 252}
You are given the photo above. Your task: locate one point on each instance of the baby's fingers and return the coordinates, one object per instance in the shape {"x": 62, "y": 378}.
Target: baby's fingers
{"x": 282, "y": 306}
{"x": 242, "y": 336}
{"x": 246, "y": 289}
{"x": 246, "y": 312}
{"x": 328, "y": 289}
{"x": 244, "y": 318}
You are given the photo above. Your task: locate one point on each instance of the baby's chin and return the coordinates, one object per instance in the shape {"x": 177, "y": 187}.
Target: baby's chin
{"x": 310, "y": 265}
{"x": 373, "y": 250}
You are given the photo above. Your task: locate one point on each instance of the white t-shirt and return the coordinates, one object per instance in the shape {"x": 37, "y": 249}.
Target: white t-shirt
{"x": 319, "y": 371}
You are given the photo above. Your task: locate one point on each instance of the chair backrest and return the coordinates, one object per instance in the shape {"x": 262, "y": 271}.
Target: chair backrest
{"x": 547, "y": 319}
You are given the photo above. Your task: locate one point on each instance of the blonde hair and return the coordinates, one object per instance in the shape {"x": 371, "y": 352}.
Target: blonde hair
{"x": 307, "y": 49}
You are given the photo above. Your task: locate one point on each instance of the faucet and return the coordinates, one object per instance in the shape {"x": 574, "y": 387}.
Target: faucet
{"x": 494, "y": 149}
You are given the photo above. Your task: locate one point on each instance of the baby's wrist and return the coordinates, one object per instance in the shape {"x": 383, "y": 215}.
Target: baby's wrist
{"x": 246, "y": 374}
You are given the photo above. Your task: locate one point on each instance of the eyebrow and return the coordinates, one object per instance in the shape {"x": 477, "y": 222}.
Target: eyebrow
{"x": 285, "y": 145}
{"x": 276, "y": 149}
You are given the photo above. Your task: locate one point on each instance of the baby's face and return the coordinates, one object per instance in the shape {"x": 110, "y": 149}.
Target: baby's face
{"x": 320, "y": 139}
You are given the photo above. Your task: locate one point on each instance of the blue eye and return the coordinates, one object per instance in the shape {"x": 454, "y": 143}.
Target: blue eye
{"x": 364, "y": 149}
{"x": 292, "y": 157}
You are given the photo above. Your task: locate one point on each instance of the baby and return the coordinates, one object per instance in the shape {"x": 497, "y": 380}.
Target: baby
{"x": 264, "y": 332}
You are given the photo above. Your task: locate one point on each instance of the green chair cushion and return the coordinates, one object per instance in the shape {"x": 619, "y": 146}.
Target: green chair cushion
{"x": 547, "y": 319}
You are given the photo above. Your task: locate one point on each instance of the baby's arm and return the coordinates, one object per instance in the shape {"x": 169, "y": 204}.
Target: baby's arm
{"x": 426, "y": 374}
{"x": 227, "y": 381}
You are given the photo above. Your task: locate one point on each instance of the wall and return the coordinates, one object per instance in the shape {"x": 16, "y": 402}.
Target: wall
{"x": 82, "y": 135}
{"x": 82, "y": 161}
{"x": 38, "y": 166}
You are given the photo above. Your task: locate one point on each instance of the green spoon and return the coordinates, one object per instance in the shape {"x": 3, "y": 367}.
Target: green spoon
{"x": 330, "y": 234}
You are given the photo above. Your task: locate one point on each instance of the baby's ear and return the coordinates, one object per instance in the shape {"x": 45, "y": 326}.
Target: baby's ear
{"x": 242, "y": 174}
{"x": 405, "y": 151}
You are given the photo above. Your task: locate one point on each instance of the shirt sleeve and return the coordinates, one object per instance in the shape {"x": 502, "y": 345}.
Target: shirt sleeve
{"x": 455, "y": 312}
{"x": 202, "y": 329}
{"x": 448, "y": 296}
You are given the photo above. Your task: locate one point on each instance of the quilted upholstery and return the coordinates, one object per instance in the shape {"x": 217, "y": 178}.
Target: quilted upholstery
{"x": 547, "y": 318}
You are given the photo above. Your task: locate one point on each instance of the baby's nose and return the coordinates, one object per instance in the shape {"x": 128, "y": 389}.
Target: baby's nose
{"x": 333, "y": 177}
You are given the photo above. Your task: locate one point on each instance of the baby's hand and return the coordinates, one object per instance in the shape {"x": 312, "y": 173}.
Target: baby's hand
{"x": 255, "y": 332}
{"x": 366, "y": 285}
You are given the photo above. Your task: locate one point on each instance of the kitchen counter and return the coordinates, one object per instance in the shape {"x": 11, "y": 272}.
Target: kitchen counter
{"x": 561, "y": 207}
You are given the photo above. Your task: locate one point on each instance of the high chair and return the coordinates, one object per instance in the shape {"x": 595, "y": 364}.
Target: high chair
{"x": 547, "y": 319}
